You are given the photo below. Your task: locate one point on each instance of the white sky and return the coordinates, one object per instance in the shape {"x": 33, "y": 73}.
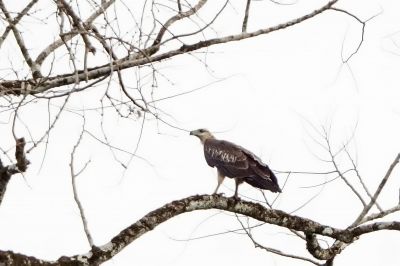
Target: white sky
{"x": 274, "y": 87}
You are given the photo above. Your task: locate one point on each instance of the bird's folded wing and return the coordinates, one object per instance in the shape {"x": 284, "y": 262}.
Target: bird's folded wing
{"x": 224, "y": 153}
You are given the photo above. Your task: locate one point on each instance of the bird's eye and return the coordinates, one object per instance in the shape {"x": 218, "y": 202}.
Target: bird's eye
{"x": 201, "y": 130}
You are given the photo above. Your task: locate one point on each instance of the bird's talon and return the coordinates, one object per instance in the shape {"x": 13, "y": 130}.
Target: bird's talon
{"x": 236, "y": 198}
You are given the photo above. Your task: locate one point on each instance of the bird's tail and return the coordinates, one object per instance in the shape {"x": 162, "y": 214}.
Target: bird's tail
{"x": 263, "y": 183}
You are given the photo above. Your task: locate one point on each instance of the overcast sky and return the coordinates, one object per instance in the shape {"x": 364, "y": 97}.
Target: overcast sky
{"x": 268, "y": 94}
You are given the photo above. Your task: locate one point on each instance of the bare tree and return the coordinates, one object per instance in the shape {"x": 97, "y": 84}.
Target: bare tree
{"x": 99, "y": 44}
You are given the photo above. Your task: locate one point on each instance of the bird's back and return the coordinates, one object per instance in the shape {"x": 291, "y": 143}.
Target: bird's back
{"x": 235, "y": 161}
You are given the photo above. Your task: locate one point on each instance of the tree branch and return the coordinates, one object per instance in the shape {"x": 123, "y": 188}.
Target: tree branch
{"x": 68, "y": 36}
{"x": 18, "y": 87}
{"x": 16, "y": 20}
{"x": 74, "y": 175}
{"x": 35, "y": 68}
{"x": 377, "y": 192}
{"x": 77, "y": 24}
{"x": 7, "y": 171}
{"x": 246, "y": 16}
{"x": 206, "y": 202}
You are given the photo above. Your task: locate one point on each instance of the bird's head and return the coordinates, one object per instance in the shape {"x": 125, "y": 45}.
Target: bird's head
{"x": 202, "y": 133}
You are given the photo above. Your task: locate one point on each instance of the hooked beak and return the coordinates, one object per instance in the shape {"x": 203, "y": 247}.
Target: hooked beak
{"x": 193, "y": 132}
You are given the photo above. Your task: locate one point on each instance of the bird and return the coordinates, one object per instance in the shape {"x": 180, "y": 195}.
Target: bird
{"x": 236, "y": 162}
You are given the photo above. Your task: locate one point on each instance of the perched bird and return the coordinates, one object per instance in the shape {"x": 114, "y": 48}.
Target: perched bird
{"x": 236, "y": 162}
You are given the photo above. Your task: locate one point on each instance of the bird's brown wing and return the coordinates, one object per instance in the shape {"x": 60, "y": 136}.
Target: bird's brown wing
{"x": 257, "y": 173}
{"x": 263, "y": 177}
{"x": 224, "y": 154}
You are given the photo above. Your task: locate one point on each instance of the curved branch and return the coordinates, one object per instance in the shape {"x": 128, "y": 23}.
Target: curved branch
{"x": 177, "y": 17}
{"x": 204, "y": 202}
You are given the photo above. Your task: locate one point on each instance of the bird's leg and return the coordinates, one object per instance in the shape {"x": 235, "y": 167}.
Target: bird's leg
{"x": 220, "y": 180}
{"x": 238, "y": 181}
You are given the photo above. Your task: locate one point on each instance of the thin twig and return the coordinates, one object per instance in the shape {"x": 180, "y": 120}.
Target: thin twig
{"x": 273, "y": 250}
{"x": 35, "y": 68}
{"x": 77, "y": 24}
{"x": 360, "y": 178}
{"x": 17, "y": 20}
{"x": 363, "y": 24}
{"x": 68, "y": 36}
{"x": 76, "y": 198}
{"x": 246, "y": 16}
{"x": 377, "y": 192}
{"x": 333, "y": 161}
{"x": 380, "y": 214}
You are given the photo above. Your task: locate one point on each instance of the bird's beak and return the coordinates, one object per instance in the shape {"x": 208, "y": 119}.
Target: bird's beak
{"x": 193, "y": 132}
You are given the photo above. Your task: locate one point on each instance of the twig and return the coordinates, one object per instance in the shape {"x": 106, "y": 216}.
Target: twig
{"x": 76, "y": 198}
{"x": 175, "y": 18}
{"x": 333, "y": 161}
{"x": 35, "y": 144}
{"x": 77, "y": 23}
{"x": 360, "y": 179}
{"x": 35, "y": 68}
{"x": 363, "y": 23}
{"x": 16, "y": 20}
{"x": 380, "y": 214}
{"x": 246, "y": 16}
{"x": 273, "y": 250}
{"x": 68, "y": 36}
{"x": 377, "y": 192}
{"x": 179, "y": 6}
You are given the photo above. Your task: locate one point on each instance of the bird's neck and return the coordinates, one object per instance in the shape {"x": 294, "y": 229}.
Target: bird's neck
{"x": 203, "y": 139}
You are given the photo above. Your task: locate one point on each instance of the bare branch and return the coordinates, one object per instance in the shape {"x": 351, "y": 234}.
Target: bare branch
{"x": 76, "y": 198}
{"x": 380, "y": 214}
{"x": 377, "y": 192}
{"x": 16, "y": 20}
{"x": 179, "y": 6}
{"x": 175, "y": 18}
{"x": 7, "y": 171}
{"x": 340, "y": 173}
{"x": 68, "y": 36}
{"x": 273, "y": 250}
{"x": 35, "y": 68}
{"x": 363, "y": 25}
{"x": 206, "y": 202}
{"x": 77, "y": 23}
{"x": 32, "y": 87}
{"x": 360, "y": 178}
{"x": 246, "y": 16}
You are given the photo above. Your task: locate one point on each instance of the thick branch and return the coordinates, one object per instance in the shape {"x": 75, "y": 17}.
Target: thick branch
{"x": 205, "y": 202}
{"x": 320, "y": 253}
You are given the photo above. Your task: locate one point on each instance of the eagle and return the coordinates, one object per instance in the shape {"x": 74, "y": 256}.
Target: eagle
{"x": 236, "y": 162}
